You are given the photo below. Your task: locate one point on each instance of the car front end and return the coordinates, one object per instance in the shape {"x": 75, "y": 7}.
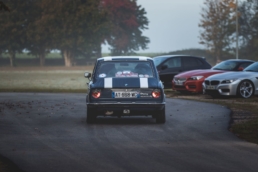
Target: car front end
{"x": 224, "y": 87}
{"x": 191, "y": 81}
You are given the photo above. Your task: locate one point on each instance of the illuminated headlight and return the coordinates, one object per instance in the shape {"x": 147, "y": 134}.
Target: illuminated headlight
{"x": 228, "y": 81}
{"x": 196, "y": 77}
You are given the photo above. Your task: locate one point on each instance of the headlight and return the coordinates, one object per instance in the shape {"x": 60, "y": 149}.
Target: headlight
{"x": 196, "y": 77}
{"x": 228, "y": 81}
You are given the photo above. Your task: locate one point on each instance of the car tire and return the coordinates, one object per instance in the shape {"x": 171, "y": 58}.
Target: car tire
{"x": 91, "y": 116}
{"x": 161, "y": 117}
{"x": 245, "y": 89}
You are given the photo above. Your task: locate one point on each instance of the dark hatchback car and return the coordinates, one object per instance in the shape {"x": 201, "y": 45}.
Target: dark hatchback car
{"x": 125, "y": 86}
{"x": 170, "y": 65}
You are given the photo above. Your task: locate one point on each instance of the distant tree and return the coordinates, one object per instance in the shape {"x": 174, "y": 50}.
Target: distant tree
{"x": 218, "y": 26}
{"x": 13, "y": 28}
{"x": 128, "y": 20}
{"x": 39, "y": 39}
{"x": 248, "y": 30}
{"x": 76, "y": 27}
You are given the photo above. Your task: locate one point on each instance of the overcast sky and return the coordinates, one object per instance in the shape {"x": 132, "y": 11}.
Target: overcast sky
{"x": 173, "y": 24}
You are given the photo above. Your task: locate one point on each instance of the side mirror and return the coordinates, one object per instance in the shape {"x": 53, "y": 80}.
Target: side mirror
{"x": 87, "y": 75}
{"x": 164, "y": 67}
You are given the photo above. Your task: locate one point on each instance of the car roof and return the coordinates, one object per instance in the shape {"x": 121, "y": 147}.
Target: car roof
{"x": 240, "y": 60}
{"x": 111, "y": 58}
{"x": 168, "y": 56}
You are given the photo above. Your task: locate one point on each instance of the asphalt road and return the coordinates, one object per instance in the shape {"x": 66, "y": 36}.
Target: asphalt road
{"x": 47, "y": 132}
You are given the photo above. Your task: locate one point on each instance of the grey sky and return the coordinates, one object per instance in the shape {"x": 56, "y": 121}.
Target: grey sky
{"x": 173, "y": 24}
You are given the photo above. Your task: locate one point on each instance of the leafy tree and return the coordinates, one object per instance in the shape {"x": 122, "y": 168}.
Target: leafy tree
{"x": 38, "y": 34}
{"x": 248, "y": 22}
{"x": 128, "y": 21}
{"x": 218, "y": 26}
{"x": 13, "y": 28}
{"x": 77, "y": 27}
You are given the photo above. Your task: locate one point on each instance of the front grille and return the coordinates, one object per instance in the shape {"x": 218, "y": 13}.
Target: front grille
{"x": 192, "y": 86}
{"x": 225, "y": 90}
{"x": 207, "y": 82}
{"x": 214, "y": 82}
{"x": 180, "y": 79}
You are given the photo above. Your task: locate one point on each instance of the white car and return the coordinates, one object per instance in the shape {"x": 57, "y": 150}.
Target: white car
{"x": 243, "y": 84}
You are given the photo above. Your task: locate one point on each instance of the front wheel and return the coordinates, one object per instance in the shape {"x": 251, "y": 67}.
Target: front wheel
{"x": 245, "y": 89}
{"x": 91, "y": 117}
{"x": 161, "y": 117}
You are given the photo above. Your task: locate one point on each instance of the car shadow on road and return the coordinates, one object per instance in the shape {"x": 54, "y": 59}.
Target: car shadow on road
{"x": 124, "y": 121}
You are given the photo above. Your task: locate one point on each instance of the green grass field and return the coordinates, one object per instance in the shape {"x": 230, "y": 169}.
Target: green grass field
{"x": 43, "y": 81}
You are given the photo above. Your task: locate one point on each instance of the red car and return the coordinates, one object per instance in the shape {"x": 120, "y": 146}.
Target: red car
{"x": 191, "y": 81}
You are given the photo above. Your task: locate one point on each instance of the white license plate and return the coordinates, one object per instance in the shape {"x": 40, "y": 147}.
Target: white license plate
{"x": 125, "y": 94}
{"x": 210, "y": 87}
{"x": 179, "y": 83}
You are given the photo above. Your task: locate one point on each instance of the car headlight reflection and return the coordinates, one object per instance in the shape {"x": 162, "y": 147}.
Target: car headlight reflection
{"x": 196, "y": 77}
{"x": 228, "y": 81}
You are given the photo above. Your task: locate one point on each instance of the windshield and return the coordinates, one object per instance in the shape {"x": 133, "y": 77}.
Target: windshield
{"x": 119, "y": 69}
{"x": 159, "y": 60}
{"x": 252, "y": 68}
{"x": 225, "y": 65}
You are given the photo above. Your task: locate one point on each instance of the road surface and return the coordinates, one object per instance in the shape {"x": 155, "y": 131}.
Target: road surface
{"x": 48, "y": 132}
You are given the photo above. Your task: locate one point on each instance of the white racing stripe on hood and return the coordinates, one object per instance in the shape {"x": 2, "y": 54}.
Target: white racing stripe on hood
{"x": 144, "y": 83}
{"x": 143, "y": 58}
{"x": 108, "y": 82}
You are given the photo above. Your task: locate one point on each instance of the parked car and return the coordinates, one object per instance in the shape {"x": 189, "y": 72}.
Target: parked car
{"x": 170, "y": 65}
{"x": 243, "y": 84}
{"x": 191, "y": 81}
{"x": 125, "y": 86}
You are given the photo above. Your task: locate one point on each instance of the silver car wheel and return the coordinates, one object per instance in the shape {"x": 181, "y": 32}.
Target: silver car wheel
{"x": 245, "y": 89}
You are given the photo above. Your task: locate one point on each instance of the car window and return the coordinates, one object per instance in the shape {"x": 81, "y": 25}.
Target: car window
{"x": 244, "y": 65}
{"x": 116, "y": 69}
{"x": 252, "y": 68}
{"x": 159, "y": 60}
{"x": 191, "y": 62}
{"x": 173, "y": 62}
{"x": 225, "y": 65}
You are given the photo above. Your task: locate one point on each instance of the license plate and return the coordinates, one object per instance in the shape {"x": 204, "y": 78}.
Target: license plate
{"x": 210, "y": 87}
{"x": 179, "y": 83}
{"x": 125, "y": 94}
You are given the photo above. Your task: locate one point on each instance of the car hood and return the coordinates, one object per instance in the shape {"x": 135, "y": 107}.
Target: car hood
{"x": 126, "y": 83}
{"x": 232, "y": 75}
{"x": 203, "y": 72}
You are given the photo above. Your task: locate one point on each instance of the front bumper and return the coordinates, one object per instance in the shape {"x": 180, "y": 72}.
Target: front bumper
{"x": 191, "y": 86}
{"x": 223, "y": 89}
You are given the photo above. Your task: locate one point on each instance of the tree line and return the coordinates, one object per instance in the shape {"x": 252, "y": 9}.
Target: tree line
{"x": 76, "y": 28}
{"x": 228, "y": 26}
